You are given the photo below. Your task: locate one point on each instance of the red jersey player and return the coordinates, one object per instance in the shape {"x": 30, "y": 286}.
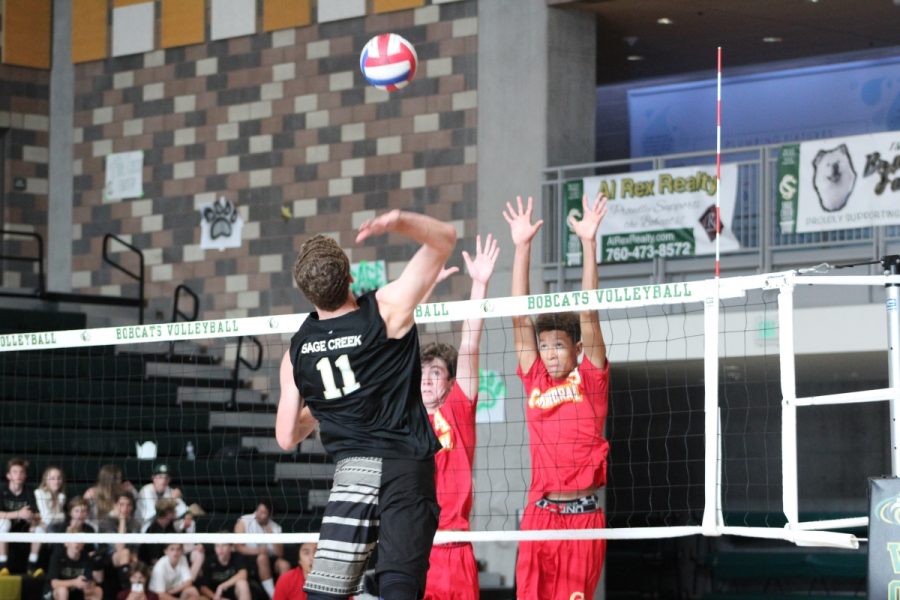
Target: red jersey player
{"x": 449, "y": 393}
{"x": 566, "y": 410}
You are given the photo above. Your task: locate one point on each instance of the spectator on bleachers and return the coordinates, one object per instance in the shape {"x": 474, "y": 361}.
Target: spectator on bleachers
{"x": 290, "y": 585}
{"x": 72, "y": 575}
{"x": 102, "y": 496}
{"x": 157, "y": 490}
{"x": 171, "y": 577}
{"x": 76, "y": 518}
{"x": 51, "y": 503}
{"x": 139, "y": 578}
{"x": 266, "y": 556}
{"x": 163, "y": 523}
{"x": 17, "y": 509}
{"x": 225, "y": 575}
{"x": 121, "y": 520}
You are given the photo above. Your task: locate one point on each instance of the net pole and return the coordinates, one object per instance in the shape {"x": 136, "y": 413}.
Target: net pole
{"x": 891, "y": 264}
{"x": 712, "y": 462}
{"x": 788, "y": 406}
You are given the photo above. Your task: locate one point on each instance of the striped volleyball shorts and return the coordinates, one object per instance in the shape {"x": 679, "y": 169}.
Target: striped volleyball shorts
{"x": 385, "y": 501}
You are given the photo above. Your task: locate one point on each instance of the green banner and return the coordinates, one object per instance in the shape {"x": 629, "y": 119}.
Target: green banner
{"x": 647, "y": 245}
{"x": 788, "y": 182}
{"x": 572, "y": 193}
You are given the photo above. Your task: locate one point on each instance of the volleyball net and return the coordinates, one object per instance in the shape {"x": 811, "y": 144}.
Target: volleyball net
{"x": 707, "y": 422}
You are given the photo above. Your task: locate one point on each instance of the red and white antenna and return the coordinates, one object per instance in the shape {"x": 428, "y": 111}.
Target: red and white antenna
{"x": 718, "y": 153}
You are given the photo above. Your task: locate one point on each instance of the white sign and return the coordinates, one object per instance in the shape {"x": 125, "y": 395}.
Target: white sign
{"x": 839, "y": 183}
{"x": 220, "y": 225}
{"x": 124, "y": 176}
{"x": 664, "y": 214}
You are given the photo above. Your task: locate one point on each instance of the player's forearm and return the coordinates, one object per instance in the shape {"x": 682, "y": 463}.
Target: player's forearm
{"x": 521, "y": 266}
{"x": 427, "y": 231}
{"x": 589, "y": 276}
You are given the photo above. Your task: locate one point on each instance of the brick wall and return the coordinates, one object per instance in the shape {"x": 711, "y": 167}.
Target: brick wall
{"x": 24, "y": 131}
{"x": 279, "y": 123}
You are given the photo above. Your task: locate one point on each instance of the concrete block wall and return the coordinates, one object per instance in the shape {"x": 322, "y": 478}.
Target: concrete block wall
{"x": 279, "y": 123}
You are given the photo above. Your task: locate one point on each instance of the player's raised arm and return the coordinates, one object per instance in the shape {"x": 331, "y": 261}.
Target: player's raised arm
{"x": 398, "y": 299}
{"x": 523, "y": 232}
{"x": 294, "y": 422}
{"x": 586, "y": 230}
{"x": 480, "y": 269}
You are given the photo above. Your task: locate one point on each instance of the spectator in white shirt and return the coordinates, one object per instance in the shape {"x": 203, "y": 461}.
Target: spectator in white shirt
{"x": 171, "y": 578}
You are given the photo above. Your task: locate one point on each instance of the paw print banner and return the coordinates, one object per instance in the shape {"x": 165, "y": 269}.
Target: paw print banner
{"x": 220, "y": 225}
{"x": 839, "y": 183}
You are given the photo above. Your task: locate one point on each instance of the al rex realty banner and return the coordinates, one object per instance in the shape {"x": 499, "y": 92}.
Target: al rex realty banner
{"x": 839, "y": 183}
{"x": 658, "y": 214}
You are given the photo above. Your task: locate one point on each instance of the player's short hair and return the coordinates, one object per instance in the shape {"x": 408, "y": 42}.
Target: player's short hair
{"x": 445, "y": 352}
{"x": 16, "y": 461}
{"x": 567, "y": 322}
{"x": 322, "y": 272}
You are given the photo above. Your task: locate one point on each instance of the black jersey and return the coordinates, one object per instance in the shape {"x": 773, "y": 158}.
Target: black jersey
{"x": 363, "y": 387}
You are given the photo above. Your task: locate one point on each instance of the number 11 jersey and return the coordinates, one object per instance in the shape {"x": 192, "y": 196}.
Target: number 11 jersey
{"x": 363, "y": 387}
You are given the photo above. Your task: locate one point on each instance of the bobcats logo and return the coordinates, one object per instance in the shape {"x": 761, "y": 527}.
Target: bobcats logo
{"x": 570, "y": 391}
{"x": 443, "y": 431}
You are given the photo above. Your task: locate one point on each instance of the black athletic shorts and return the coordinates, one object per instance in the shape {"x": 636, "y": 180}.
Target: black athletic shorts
{"x": 388, "y": 501}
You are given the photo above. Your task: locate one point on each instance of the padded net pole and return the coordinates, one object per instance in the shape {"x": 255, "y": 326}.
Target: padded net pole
{"x": 892, "y": 267}
{"x": 788, "y": 408}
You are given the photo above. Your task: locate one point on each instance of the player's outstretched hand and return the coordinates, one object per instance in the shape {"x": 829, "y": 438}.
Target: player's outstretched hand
{"x": 481, "y": 267}
{"x": 519, "y": 219}
{"x": 378, "y": 226}
{"x": 445, "y": 273}
{"x": 592, "y": 216}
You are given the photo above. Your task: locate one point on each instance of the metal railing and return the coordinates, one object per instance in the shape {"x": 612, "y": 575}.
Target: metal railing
{"x": 41, "y": 292}
{"x": 763, "y": 247}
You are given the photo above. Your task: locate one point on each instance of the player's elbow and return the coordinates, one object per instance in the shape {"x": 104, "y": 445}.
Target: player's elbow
{"x": 284, "y": 438}
{"x": 445, "y": 240}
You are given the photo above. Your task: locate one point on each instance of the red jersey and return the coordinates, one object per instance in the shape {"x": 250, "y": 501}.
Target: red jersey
{"x": 290, "y": 585}
{"x": 565, "y": 421}
{"x": 454, "y": 425}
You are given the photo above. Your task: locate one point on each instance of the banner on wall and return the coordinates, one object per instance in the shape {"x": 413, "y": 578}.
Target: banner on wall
{"x": 221, "y": 225}
{"x": 839, "y": 183}
{"x": 669, "y": 213}
{"x": 124, "y": 176}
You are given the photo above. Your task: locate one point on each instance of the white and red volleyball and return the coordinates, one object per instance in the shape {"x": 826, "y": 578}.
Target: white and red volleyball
{"x": 388, "y": 61}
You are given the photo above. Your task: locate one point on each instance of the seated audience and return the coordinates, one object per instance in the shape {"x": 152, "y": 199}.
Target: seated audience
{"x": 156, "y": 490}
{"x": 139, "y": 577}
{"x": 50, "y": 497}
{"x": 102, "y": 496}
{"x": 225, "y": 575}
{"x": 171, "y": 578}
{"x": 121, "y": 520}
{"x": 72, "y": 575}
{"x": 17, "y": 509}
{"x": 264, "y": 555}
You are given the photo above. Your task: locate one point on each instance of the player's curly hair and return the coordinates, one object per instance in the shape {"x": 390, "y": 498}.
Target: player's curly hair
{"x": 322, "y": 272}
{"x": 445, "y": 352}
{"x": 567, "y": 322}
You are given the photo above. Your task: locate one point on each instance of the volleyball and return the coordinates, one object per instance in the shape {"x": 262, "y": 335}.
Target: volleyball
{"x": 388, "y": 61}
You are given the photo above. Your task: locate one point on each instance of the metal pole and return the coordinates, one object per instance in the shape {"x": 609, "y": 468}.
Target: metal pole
{"x": 891, "y": 266}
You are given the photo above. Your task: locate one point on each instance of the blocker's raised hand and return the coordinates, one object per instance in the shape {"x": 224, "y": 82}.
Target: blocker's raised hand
{"x": 592, "y": 216}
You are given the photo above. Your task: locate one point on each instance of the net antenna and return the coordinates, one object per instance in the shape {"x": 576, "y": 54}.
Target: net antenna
{"x": 713, "y": 518}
